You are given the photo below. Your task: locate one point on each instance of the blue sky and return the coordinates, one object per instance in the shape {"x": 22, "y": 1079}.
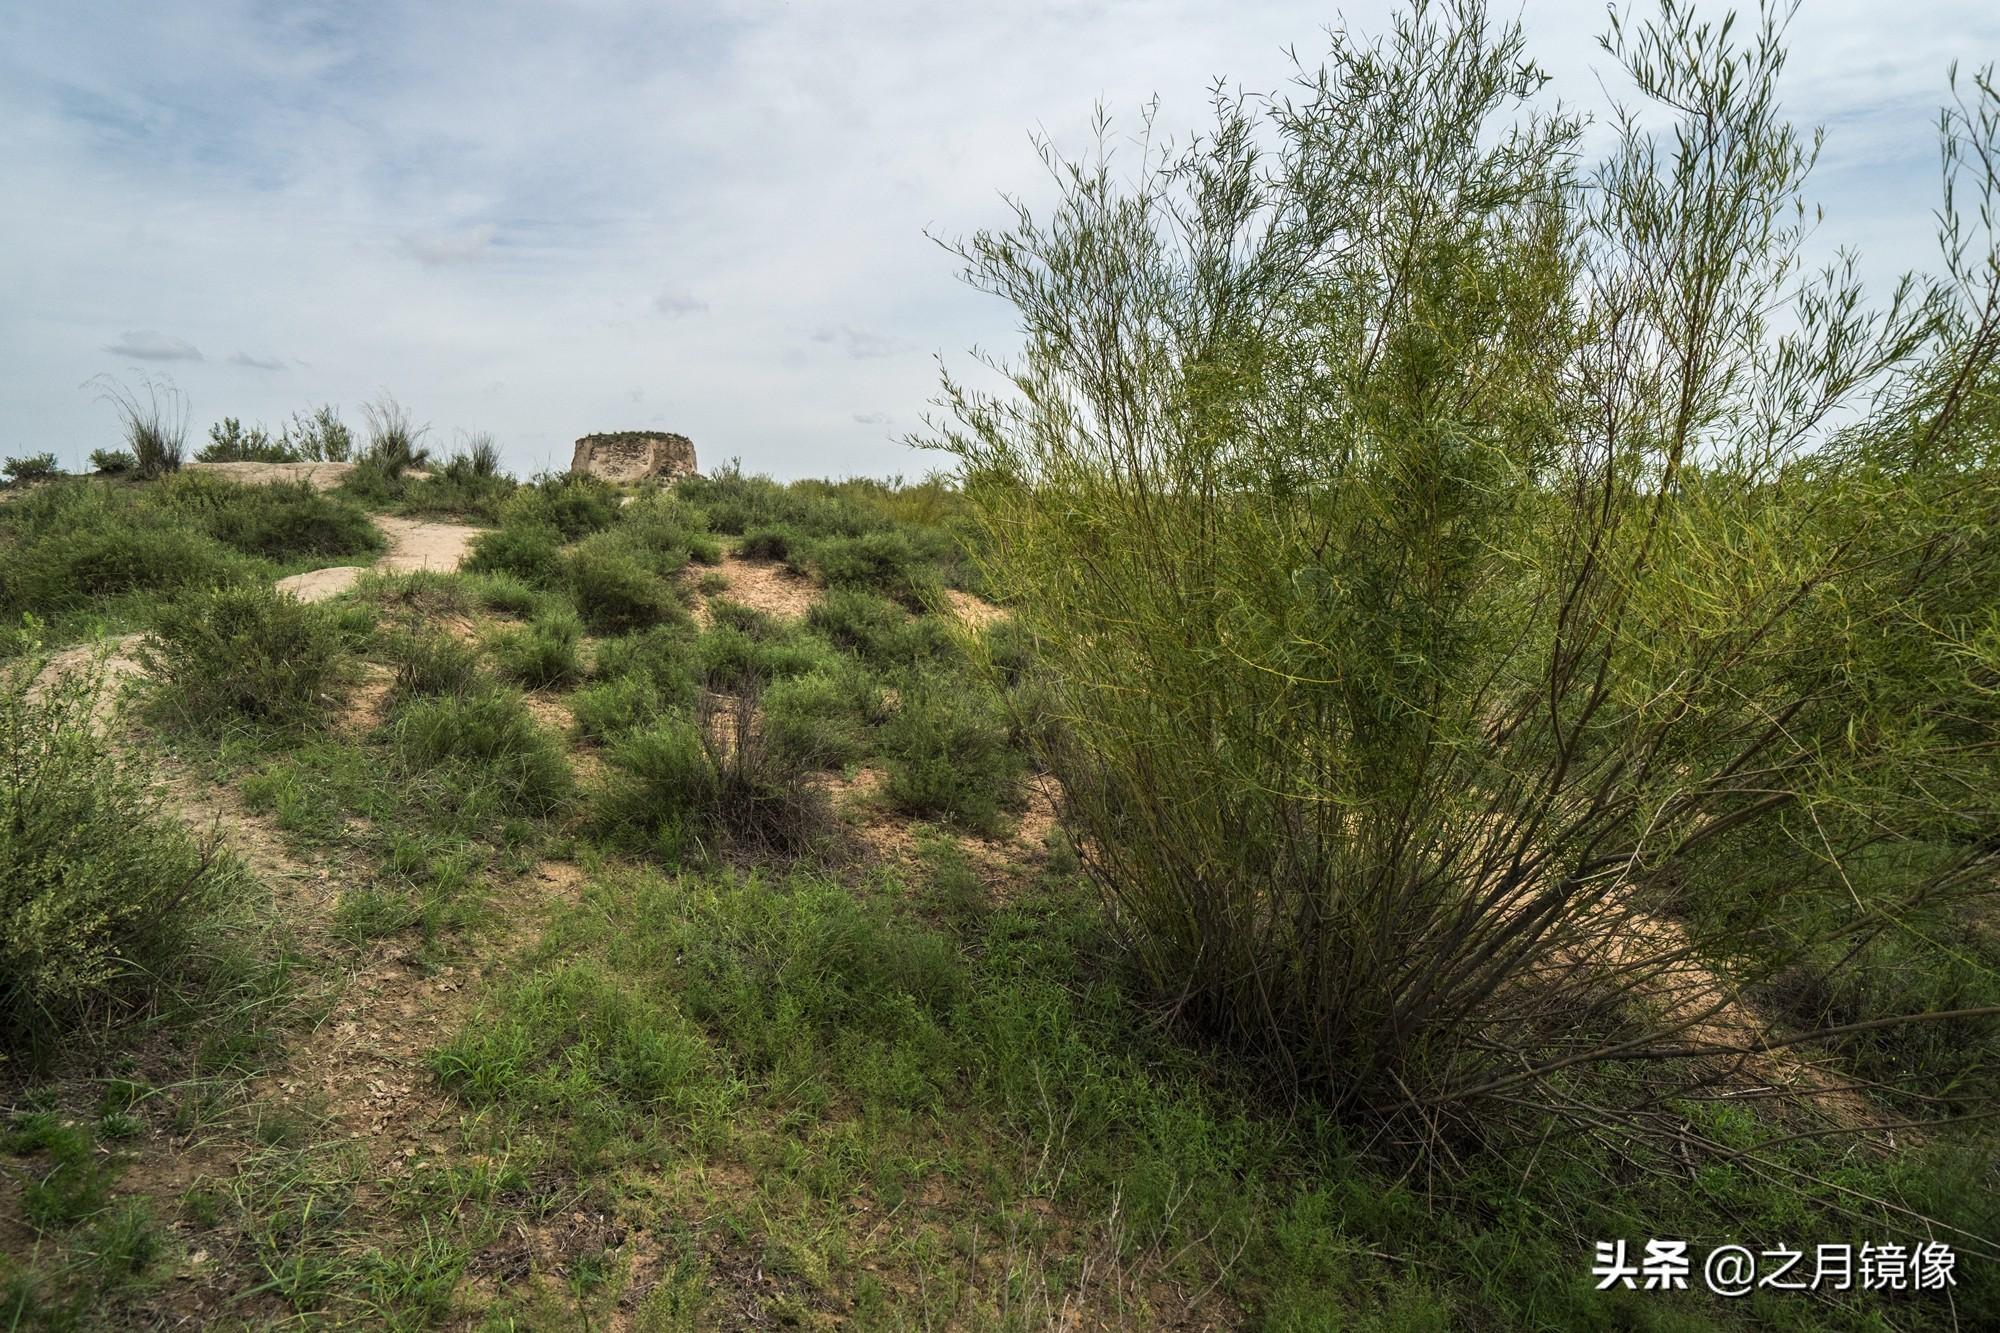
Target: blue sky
{"x": 542, "y": 220}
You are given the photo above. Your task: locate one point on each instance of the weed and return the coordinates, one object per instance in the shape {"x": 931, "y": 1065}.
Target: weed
{"x": 245, "y": 654}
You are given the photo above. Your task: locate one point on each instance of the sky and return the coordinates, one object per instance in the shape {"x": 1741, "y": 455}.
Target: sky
{"x": 541, "y": 220}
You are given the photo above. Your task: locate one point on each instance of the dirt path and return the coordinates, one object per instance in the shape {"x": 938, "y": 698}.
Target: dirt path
{"x": 413, "y": 544}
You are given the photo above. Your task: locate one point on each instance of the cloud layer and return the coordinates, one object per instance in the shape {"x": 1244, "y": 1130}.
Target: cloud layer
{"x": 543, "y": 221}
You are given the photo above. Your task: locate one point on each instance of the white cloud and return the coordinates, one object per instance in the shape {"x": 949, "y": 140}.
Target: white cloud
{"x": 873, "y": 419}
{"x": 256, "y": 362}
{"x": 861, "y": 344}
{"x": 148, "y": 345}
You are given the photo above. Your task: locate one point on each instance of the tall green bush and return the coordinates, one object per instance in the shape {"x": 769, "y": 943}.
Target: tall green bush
{"x": 1481, "y": 625}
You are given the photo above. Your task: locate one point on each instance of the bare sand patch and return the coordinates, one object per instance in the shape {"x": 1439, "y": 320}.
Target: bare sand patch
{"x": 761, "y": 585}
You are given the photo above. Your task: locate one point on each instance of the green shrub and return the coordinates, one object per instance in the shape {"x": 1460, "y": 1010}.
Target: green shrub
{"x": 615, "y": 591}
{"x": 33, "y": 468}
{"x": 768, "y": 543}
{"x": 885, "y": 562}
{"x": 489, "y": 736}
{"x": 427, "y": 661}
{"x": 544, "y": 653}
{"x": 112, "y": 462}
{"x": 228, "y": 442}
{"x": 878, "y": 630}
{"x": 664, "y": 656}
{"x": 573, "y": 505}
{"x": 821, "y": 719}
{"x": 101, "y": 891}
{"x": 674, "y": 786}
{"x": 319, "y": 438}
{"x": 529, "y": 553}
{"x": 610, "y": 708}
{"x": 243, "y": 654}
{"x": 1525, "y": 559}
{"x": 281, "y": 521}
{"x": 948, "y": 754}
{"x": 469, "y": 486}
{"x": 105, "y": 561}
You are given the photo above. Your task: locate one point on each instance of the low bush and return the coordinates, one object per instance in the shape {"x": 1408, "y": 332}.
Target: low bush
{"x": 429, "y": 662}
{"x": 877, "y": 629}
{"x": 615, "y": 590}
{"x": 395, "y": 441}
{"x": 676, "y": 785}
{"x": 101, "y": 892}
{"x": 885, "y": 562}
{"x": 229, "y": 442}
{"x": 949, "y": 755}
{"x": 243, "y": 654}
{"x": 664, "y": 656}
{"x": 544, "y": 653}
{"x": 574, "y": 506}
{"x": 528, "y": 552}
{"x": 504, "y": 594}
{"x": 768, "y": 543}
{"x": 112, "y": 462}
{"x": 469, "y": 486}
{"x": 610, "y": 708}
{"x": 282, "y": 521}
{"x": 490, "y": 736}
{"x": 821, "y": 719}
{"x": 33, "y": 468}
{"x": 319, "y": 438}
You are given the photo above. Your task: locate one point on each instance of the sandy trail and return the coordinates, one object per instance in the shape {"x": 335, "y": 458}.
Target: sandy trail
{"x": 413, "y": 544}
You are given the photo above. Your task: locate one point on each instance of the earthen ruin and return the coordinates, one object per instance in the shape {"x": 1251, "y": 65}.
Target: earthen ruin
{"x": 634, "y": 455}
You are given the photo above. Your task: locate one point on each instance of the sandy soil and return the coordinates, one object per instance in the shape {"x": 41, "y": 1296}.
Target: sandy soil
{"x": 323, "y": 476}
{"x": 762, "y": 585}
{"x": 413, "y": 544}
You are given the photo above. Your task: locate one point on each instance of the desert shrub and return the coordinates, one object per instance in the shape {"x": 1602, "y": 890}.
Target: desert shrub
{"x": 319, "y": 438}
{"x": 242, "y": 654}
{"x": 491, "y": 737}
{"x": 665, "y": 656}
{"x": 543, "y": 653}
{"x": 675, "y": 786}
{"x": 229, "y": 442}
{"x": 768, "y": 543}
{"x": 531, "y": 554}
{"x": 428, "y": 661}
{"x": 821, "y": 719}
{"x": 667, "y": 532}
{"x": 33, "y": 468}
{"x": 504, "y": 594}
{"x": 112, "y": 462}
{"x": 1441, "y": 554}
{"x": 608, "y": 709}
{"x": 885, "y": 562}
{"x": 155, "y": 425}
{"x": 879, "y": 630}
{"x": 615, "y": 590}
{"x": 574, "y": 505}
{"x": 948, "y": 753}
{"x": 395, "y": 441}
{"x": 101, "y": 891}
{"x": 283, "y": 521}
{"x": 109, "y": 557}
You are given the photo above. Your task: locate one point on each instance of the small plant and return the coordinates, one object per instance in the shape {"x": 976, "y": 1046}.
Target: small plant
{"x": 112, "y": 462}
{"x": 615, "y": 591}
{"x": 428, "y": 662}
{"x": 244, "y": 654}
{"x": 544, "y": 653}
{"x": 395, "y": 441}
{"x": 229, "y": 442}
{"x": 949, "y": 755}
{"x": 528, "y": 552}
{"x": 490, "y": 735}
{"x": 100, "y": 890}
{"x": 574, "y": 506}
{"x": 768, "y": 543}
{"x": 155, "y": 425}
{"x": 320, "y": 438}
{"x": 27, "y": 471}
{"x": 821, "y": 719}
{"x": 478, "y": 457}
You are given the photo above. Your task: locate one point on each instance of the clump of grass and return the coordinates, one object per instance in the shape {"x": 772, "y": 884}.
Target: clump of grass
{"x": 282, "y": 521}
{"x": 884, "y": 562}
{"x": 949, "y": 755}
{"x": 615, "y": 591}
{"x": 112, "y": 462}
{"x": 680, "y": 784}
{"x": 430, "y": 662}
{"x": 490, "y": 736}
{"x": 821, "y": 719}
{"x": 321, "y": 437}
{"x": 395, "y": 441}
{"x": 609, "y": 709}
{"x": 531, "y": 553}
{"x": 879, "y": 630}
{"x": 229, "y": 442}
{"x": 155, "y": 425}
{"x": 243, "y": 654}
{"x": 574, "y": 506}
{"x": 101, "y": 890}
{"x": 544, "y": 653}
